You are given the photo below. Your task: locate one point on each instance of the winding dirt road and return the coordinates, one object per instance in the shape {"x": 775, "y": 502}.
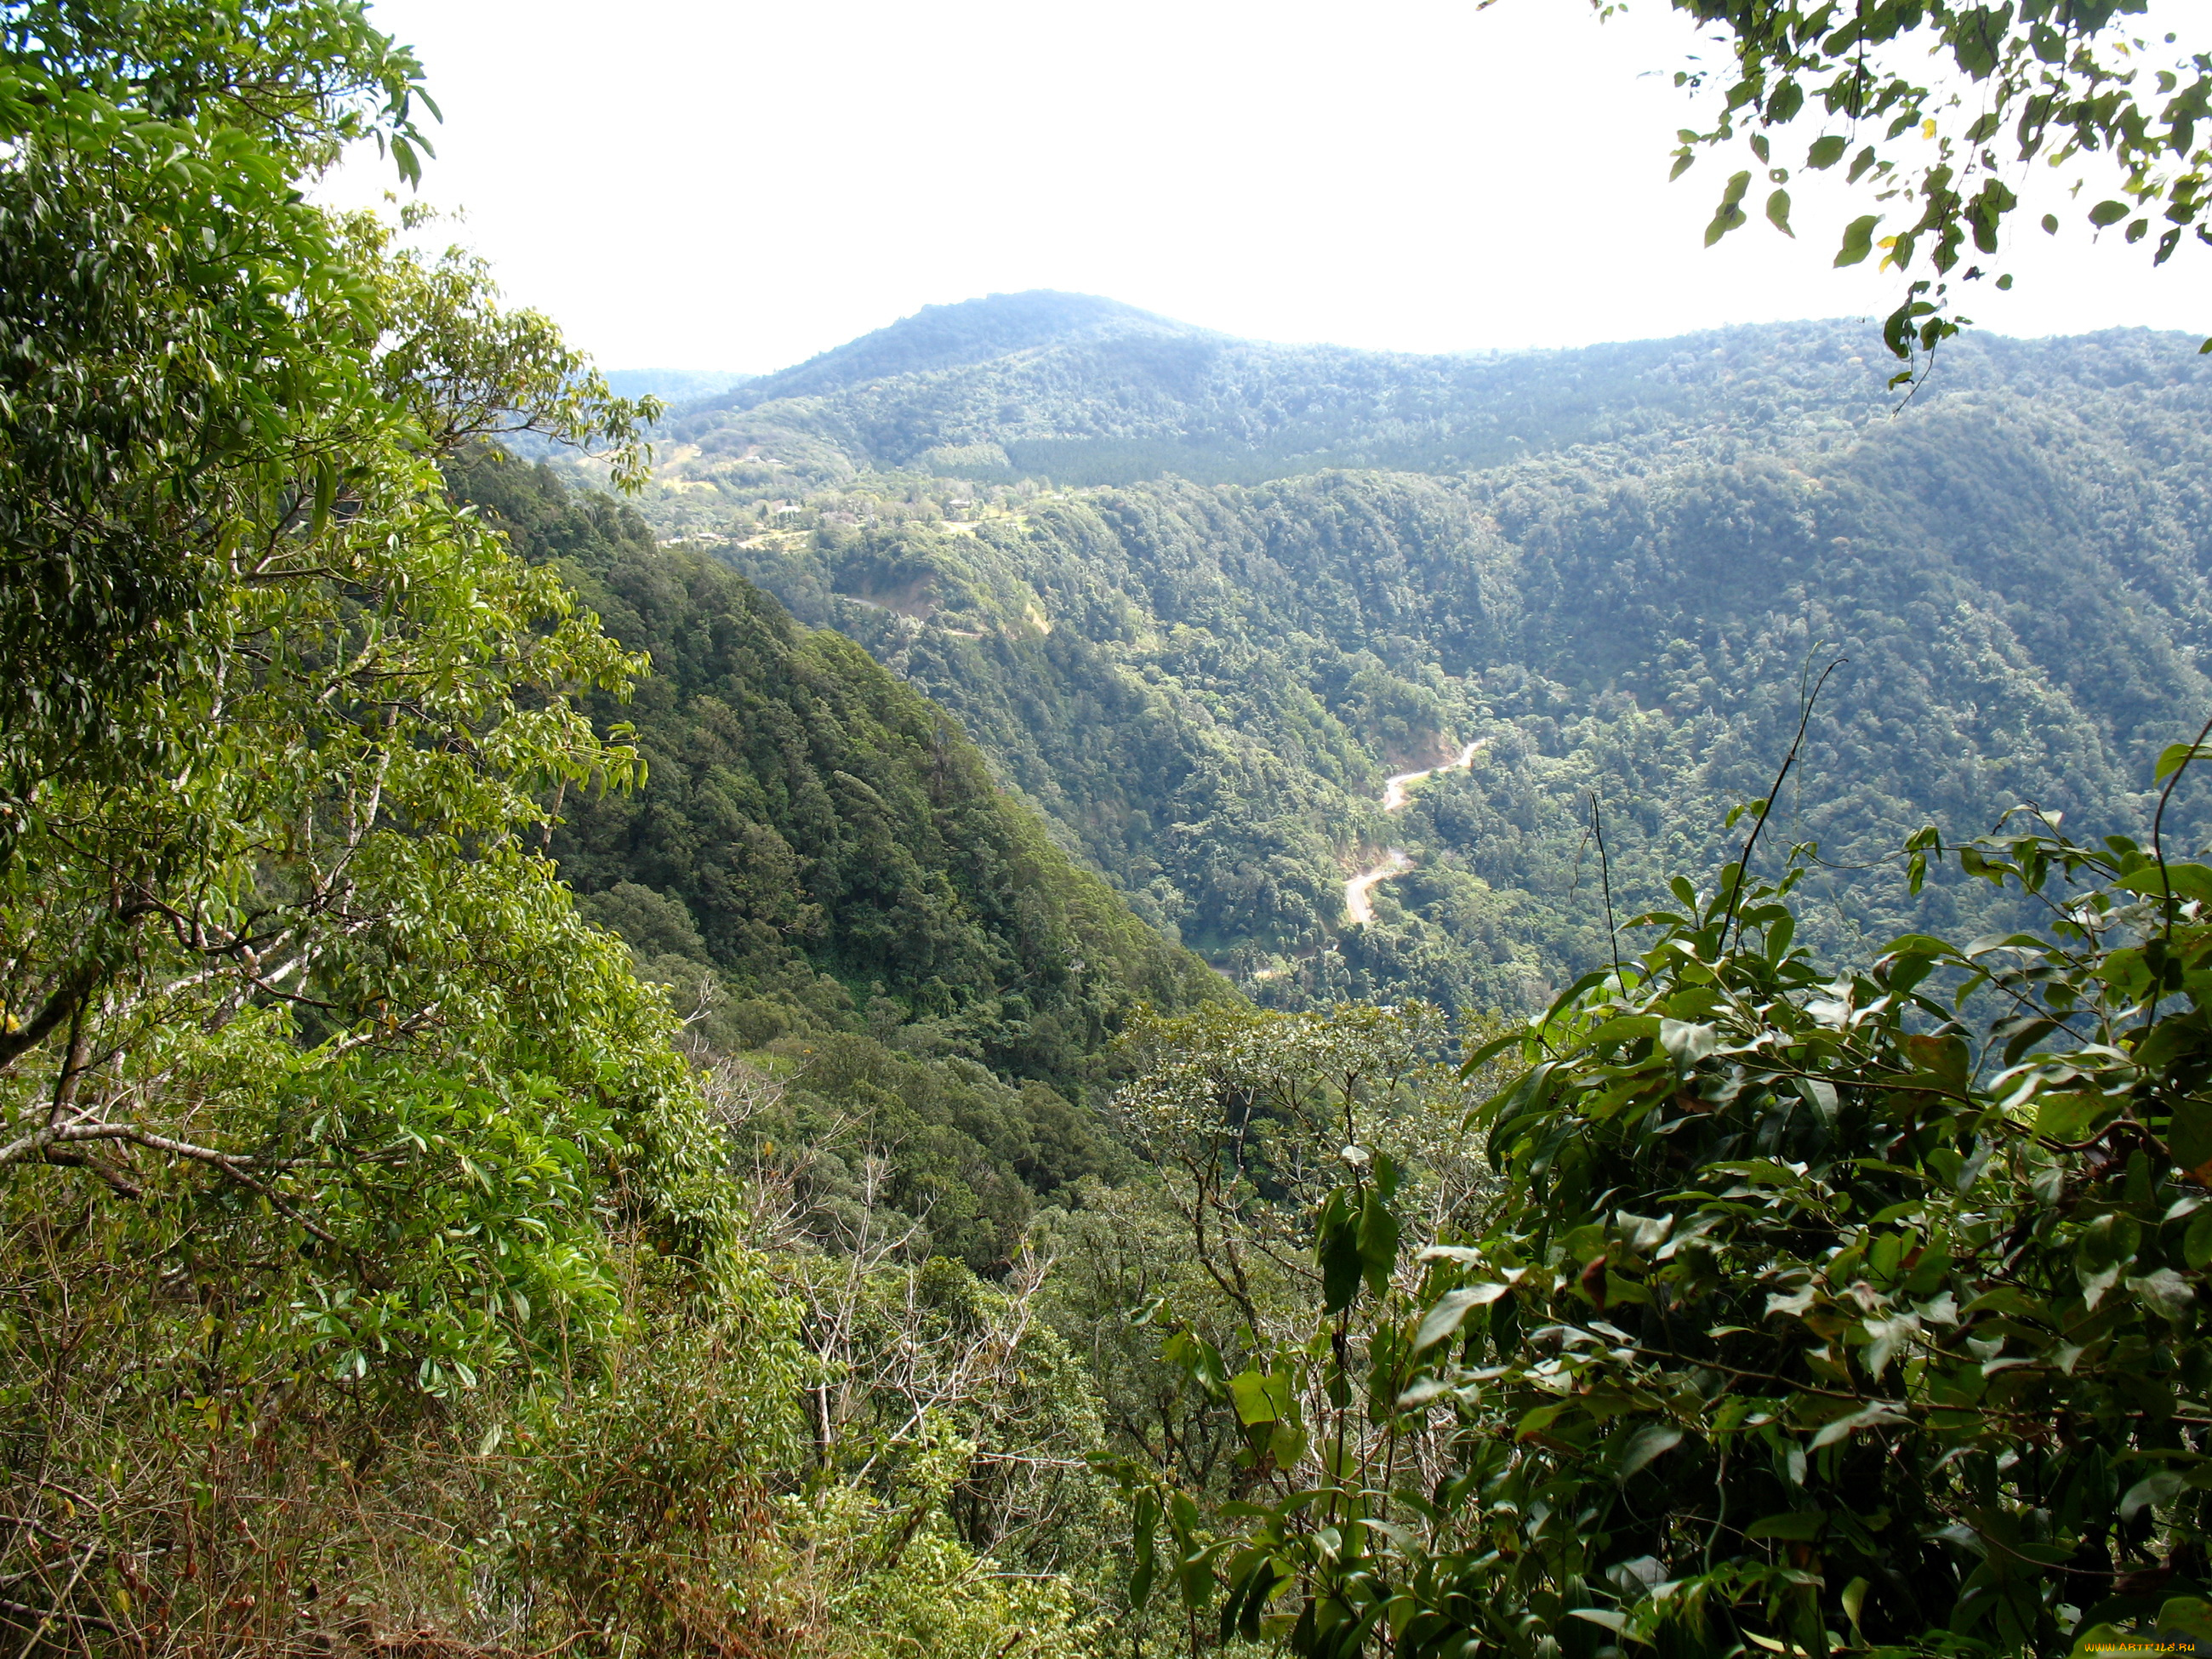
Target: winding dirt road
{"x": 1359, "y": 902}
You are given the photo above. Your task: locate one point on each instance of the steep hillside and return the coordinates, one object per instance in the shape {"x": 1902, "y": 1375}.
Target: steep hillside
{"x": 1205, "y": 685}
{"x": 822, "y": 870}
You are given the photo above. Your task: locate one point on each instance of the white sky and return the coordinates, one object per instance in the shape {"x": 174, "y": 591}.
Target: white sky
{"x": 732, "y": 184}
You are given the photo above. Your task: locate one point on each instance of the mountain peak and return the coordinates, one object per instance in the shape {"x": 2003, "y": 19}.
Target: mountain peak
{"x": 969, "y": 331}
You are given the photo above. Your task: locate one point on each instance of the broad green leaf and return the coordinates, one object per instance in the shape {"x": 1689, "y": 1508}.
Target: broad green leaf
{"x": 2189, "y": 1136}
{"x": 1944, "y": 1057}
{"x": 2173, "y": 758}
{"x": 1377, "y": 1240}
{"x": 1337, "y": 1250}
{"x": 1858, "y": 240}
{"x": 2188, "y": 881}
{"x": 1451, "y": 1310}
{"x": 1607, "y": 1618}
{"x": 1260, "y": 1396}
{"x": 2164, "y": 1292}
{"x": 2186, "y": 1620}
{"x": 2162, "y": 1487}
{"x": 1650, "y": 1442}
{"x": 2073, "y": 1115}
{"x": 1145, "y": 1518}
{"x": 1689, "y": 1041}
{"x": 1878, "y": 1414}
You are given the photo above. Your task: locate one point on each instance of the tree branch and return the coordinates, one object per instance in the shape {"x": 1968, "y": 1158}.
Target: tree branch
{"x": 66, "y": 997}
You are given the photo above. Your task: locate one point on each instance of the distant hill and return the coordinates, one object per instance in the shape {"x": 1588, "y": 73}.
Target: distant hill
{"x": 821, "y": 868}
{"x": 939, "y": 338}
{"x": 1084, "y": 392}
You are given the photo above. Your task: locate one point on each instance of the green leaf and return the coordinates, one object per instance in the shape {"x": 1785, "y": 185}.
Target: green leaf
{"x": 2161, "y": 1487}
{"x": 2197, "y": 1244}
{"x": 2174, "y": 757}
{"x": 1626, "y": 1028}
{"x": 2073, "y": 1115}
{"x": 1145, "y": 1518}
{"x": 1688, "y": 1041}
{"x": 1858, "y": 240}
{"x": 2107, "y": 213}
{"x": 2188, "y": 881}
{"x": 2185, "y": 1622}
{"x": 1248, "y": 1600}
{"x": 1820, "y": 1095}
{"x": 1377, "y": 1241}
{"x": 1605, "y": 1618}
{"x": 1730, "y": 215}
{"x": 1489, "y": 1051}
{"x": 2165, "y": 1292}
{"x": 2189, "y": 1134}
{"x": 1947, "y": 1058}
{"x": 1873, "y": 1415}
{"x": 326, "y": 490}
{"x": 1337, "y": 1250}
{"x": 1828, "y": 151}
{"x": 1197, "y": 1359}
{"x": 1261, "y": 1397}
{"x": 1450, "y": 1312}
{"x": 1650, "y": 1442}
{"x": 1777, "y": 212}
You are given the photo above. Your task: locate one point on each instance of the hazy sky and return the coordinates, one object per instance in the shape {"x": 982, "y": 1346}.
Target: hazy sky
{"x": 729, "y": 184}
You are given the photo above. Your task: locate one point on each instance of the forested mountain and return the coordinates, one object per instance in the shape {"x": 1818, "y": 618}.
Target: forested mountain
{"x": 1205, "y": 684}
{"x": 1083, "y": 391}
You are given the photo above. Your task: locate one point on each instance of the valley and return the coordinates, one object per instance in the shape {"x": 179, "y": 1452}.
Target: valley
{"x": 1201, "y": 673}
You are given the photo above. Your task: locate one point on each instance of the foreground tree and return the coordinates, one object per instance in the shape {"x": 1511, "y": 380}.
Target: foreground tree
{"x": 1822, "y": 1311}
{"x": 188, "y": 349}
{"x": 1937, "y": 110}
{"x": 313, "y": 1085}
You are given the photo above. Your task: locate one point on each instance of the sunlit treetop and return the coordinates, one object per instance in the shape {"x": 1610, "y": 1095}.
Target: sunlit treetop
{"x": 314, "y": 74}
{"x": 1939, "y": 111}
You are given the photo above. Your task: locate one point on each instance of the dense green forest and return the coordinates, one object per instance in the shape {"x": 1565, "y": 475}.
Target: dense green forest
{"x": 607, "y": 1055}
{"x": 1205, "y": 685}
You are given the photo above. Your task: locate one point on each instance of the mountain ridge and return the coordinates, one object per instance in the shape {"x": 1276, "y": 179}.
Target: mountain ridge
{"x": 942, "y": 336}
{"x": 1086, "y": 392}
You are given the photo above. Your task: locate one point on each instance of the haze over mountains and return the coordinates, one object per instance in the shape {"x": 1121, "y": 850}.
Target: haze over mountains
{"x": 1197, "y": 597}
